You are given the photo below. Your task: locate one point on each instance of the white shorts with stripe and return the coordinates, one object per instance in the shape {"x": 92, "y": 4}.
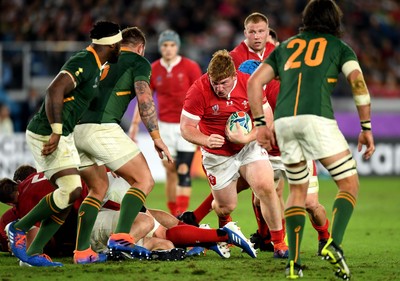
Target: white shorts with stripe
{"x": 64, "y": 157}
{"x": 222, "y": 170}
{"x": 104, "y": 144}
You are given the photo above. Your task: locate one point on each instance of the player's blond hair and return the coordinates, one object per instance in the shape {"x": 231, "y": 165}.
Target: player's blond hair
{"x": 221, "y": 66}
{"x": 255, "y": 18}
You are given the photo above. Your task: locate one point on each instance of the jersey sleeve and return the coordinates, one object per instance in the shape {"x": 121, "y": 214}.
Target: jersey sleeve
{"x": 195, "y": 72}
{"x": 82, "y": 67}
{"x": 194, "y": 101}
{"x": 347, "y": 54}
{"x": 142, "y": 70}
{"x": 272, "y": 61}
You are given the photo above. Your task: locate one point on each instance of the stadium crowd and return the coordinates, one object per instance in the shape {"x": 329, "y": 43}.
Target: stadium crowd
{"x": 372, "y": 29}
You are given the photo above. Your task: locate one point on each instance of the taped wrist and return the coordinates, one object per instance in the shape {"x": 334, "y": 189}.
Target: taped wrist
{"x": 155, "y": 134}
{"x": 260, "y": 121}
{"x": 57, "y": 128}
{"x": 366, "y": 125}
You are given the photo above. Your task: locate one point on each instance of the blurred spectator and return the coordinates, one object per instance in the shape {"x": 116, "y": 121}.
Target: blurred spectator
{"x": 6, "y": 124}
{"x": 29, "y": 107}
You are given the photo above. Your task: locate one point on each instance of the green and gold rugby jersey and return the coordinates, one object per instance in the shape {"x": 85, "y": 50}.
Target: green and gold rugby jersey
{"x": 85, "y": 67}
{"x": 117, "y": 88}
{"x": 308, "y": 66}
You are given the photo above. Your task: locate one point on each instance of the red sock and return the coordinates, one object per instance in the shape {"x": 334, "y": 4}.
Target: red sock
{"x": 323, "y": 232}
{"x": 224, "y": 220}
{"x": 277, "y": 236}
{"x": 263, "y": 229}
{"x": 172, "y": 208}
{"x": 189, "y": 235}
{"x": 182, "y": 204}
{"x": 204, "y": 209}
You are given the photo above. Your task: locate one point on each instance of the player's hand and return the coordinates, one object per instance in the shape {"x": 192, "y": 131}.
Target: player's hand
{"x": 366, "y": 138}
{"x": 162, "y": 150}
{"x": 50, "y": 146}
{"x": 238, "y": 136}
{"x": 215, "y": 141}
{"x": 265, "y": 137}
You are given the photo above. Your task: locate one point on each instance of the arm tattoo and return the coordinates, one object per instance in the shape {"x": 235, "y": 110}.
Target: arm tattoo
{"x": 146, "y": 105}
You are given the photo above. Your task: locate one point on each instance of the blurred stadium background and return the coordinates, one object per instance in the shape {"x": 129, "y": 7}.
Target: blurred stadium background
{"x": 38, "y": 36}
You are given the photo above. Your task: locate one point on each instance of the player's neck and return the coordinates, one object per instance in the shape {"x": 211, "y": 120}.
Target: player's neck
{"x": 170, "y": 61}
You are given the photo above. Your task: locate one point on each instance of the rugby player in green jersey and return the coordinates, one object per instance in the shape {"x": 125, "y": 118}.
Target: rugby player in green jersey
{"x": 50, "y": 139}
{"x": 102, "y": 142}
{"x": 308, "y": 66}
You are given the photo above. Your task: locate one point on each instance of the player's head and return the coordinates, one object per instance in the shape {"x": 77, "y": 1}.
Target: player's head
{"x": 222, "y": 73}
{"x": 134, "y": 37}
{"x": 273, "y": 37}
{"x": 107, "y": 33}
{"x": 256, "y": 30}
{"x": 322, "y": 16}
{"x": 23, "y": 171}
{"x": 169, "y": 44}
{"x": 8, "y": 191}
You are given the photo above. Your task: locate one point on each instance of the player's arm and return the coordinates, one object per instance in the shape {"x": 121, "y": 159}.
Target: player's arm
{"x": 353, "y": 73}
{"x": 191, "y": 133}
{"x": 134, "y": 127}
{"x": 263, "y": 74}
{"x": 54, "y": 103}
{"x": 148, "y": 114}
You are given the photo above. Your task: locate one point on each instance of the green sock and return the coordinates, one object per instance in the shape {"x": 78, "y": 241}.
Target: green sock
{"x": 86, "y": 218}
{"x": 130, "y": 207}
{"x": 342, "y": 210}
{"x": 295, "y": 219}
{"x": 44, "y": 209}
{"x": 48, "y": 228}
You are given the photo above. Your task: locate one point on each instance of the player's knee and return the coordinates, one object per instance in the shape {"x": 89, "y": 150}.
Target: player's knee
{"x": 224, "y": 209}
{"x": 342, "y": 168}
{"x": 184, "y": 161}
{"x": 184, "y": 180}
{"x": 69, "y": 189}
{"x": 297, "y": 175}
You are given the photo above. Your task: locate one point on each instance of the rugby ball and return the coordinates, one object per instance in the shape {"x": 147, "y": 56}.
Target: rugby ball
{"x": 243, "y": 119}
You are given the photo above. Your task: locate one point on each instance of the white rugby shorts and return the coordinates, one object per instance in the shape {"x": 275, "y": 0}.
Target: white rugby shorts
{"x": 64, "y": 157}
{"x": 222, "y": 170}
{"x": 306, "y": 137}
{"x": 104, "y": 144}
{"x": 171, "y": 136}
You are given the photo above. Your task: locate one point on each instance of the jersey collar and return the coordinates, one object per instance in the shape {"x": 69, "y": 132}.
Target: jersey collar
{"x": 96, "y": 56}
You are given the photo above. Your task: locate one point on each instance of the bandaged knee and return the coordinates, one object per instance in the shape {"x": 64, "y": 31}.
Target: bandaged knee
{"x": 66, "y": 186}
{"x": 183, "y": 163}
{"x": 343, "y": 168}
{"x": 297, "y": 175}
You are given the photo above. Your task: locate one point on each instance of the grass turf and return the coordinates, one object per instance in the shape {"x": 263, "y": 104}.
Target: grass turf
{"x": 371, "y": 245}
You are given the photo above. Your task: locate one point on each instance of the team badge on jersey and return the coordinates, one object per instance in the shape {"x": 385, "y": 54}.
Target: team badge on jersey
{"x": 211, "y": 179}
{"x": 215, "y": 109}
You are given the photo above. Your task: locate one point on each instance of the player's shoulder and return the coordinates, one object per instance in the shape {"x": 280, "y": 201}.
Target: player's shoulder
{"x": 188, "y": 61}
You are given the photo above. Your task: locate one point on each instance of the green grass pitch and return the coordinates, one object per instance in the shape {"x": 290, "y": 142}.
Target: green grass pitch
{"x": 371, "y": 245}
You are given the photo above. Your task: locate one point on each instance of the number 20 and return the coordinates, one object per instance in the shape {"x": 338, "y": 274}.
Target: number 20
{"x": 308, "y": 59}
